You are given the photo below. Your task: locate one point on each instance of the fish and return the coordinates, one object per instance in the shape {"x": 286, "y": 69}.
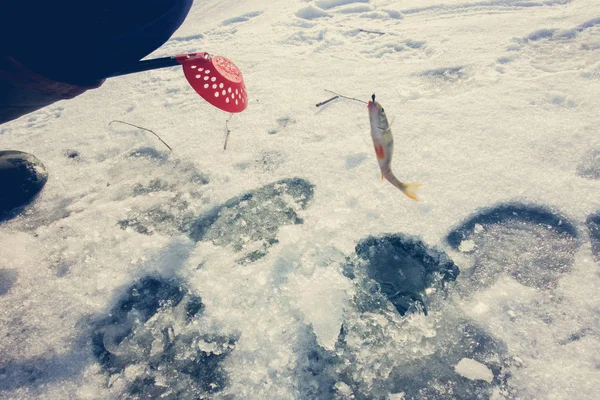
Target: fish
{"x": 383, "y": 141}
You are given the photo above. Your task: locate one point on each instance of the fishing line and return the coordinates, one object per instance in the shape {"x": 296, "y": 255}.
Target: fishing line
{"x": 144, "y": 129}
{"x": 337, "y": 96}
{"x": 227, "y": 131}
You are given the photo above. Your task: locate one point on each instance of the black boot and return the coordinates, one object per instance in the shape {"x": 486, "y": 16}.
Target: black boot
{"x": 58, "y": 50}
{"x": 22, "y": 176}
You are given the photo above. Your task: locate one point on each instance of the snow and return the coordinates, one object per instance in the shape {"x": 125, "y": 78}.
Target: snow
{"x": 311, "y": 12}
{"x": 472, "y": 369}
{"x": 326, "y": 4}
{"x": 270, "y": 270}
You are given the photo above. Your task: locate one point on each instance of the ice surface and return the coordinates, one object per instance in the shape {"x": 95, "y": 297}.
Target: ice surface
{"x": 403, "y": 268}
{"x": 283, "y": 268}
{"x": 593, "y": 225}
{"x": 530, "y": 243}
{"x": 473, "y": 370}
{"x": 8, "y": 277}
{"x": 156, "y": 356}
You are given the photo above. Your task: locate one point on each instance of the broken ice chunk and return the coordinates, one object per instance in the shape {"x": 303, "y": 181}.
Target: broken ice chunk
{"x": 474, "y": 370}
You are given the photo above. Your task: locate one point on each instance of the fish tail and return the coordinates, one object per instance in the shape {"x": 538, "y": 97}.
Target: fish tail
{"x": 409, "y": 189}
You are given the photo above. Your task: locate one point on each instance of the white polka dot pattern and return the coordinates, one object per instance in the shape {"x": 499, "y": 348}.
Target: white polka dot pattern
{"x": 221, "y": 85}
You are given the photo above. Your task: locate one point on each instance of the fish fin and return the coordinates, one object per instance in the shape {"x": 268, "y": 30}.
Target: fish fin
{"x": 380, "y": 152}
{"x": 410, "y": 189}
{"x": 382, "y": 177}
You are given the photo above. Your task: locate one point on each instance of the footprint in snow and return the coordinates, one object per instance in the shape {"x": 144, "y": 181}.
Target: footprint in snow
{"x": 328, "y": 4}
{"x": 380, "y": 43}
{"x": 530, "y": 243}
{"x": 589, "y": 167}
{"x": 361, "y": 7}
{"x": 356, "y": 159}
{"x": 242, "y": 18}
{"x": 329, "y": 8}
{"x": 476, "y": 7}
{"x": 392, "y": 47}
{"x": 447, "y": 74}
{"x": 282, "y": 123}
{"x": 553, "y": 50}
{"x": 444, "y": 80}
{"x": 43, "y": 117}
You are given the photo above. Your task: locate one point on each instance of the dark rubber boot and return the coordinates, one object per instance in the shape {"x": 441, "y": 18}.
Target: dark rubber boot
{"x": 56, "y": 50}
{"x": 81, "y": 42}
{"x": 22, "y": 176}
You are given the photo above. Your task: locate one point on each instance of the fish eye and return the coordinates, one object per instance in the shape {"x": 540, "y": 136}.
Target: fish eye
{"x": 382, "y": 109}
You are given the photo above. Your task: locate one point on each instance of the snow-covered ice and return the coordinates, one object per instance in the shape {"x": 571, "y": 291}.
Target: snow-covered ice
{"x": 472, "y": 369}
{"x": 283, "y": 267}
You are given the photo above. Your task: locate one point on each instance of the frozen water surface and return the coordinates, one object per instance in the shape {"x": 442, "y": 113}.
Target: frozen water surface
{"x": 283, "y": 268}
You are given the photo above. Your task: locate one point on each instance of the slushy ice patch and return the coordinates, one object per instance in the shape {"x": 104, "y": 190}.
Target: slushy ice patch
{"x": 250, "y": 222}
{"x": 439, "y": 356}
{"x": 150, "y": 353}
{"x": 8, "y": 277}
{"x": 530, "y": 243}
{"x": 400, "y": 268}
{"x": 468, "y": 364}
{"x": 593, "y": 225}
